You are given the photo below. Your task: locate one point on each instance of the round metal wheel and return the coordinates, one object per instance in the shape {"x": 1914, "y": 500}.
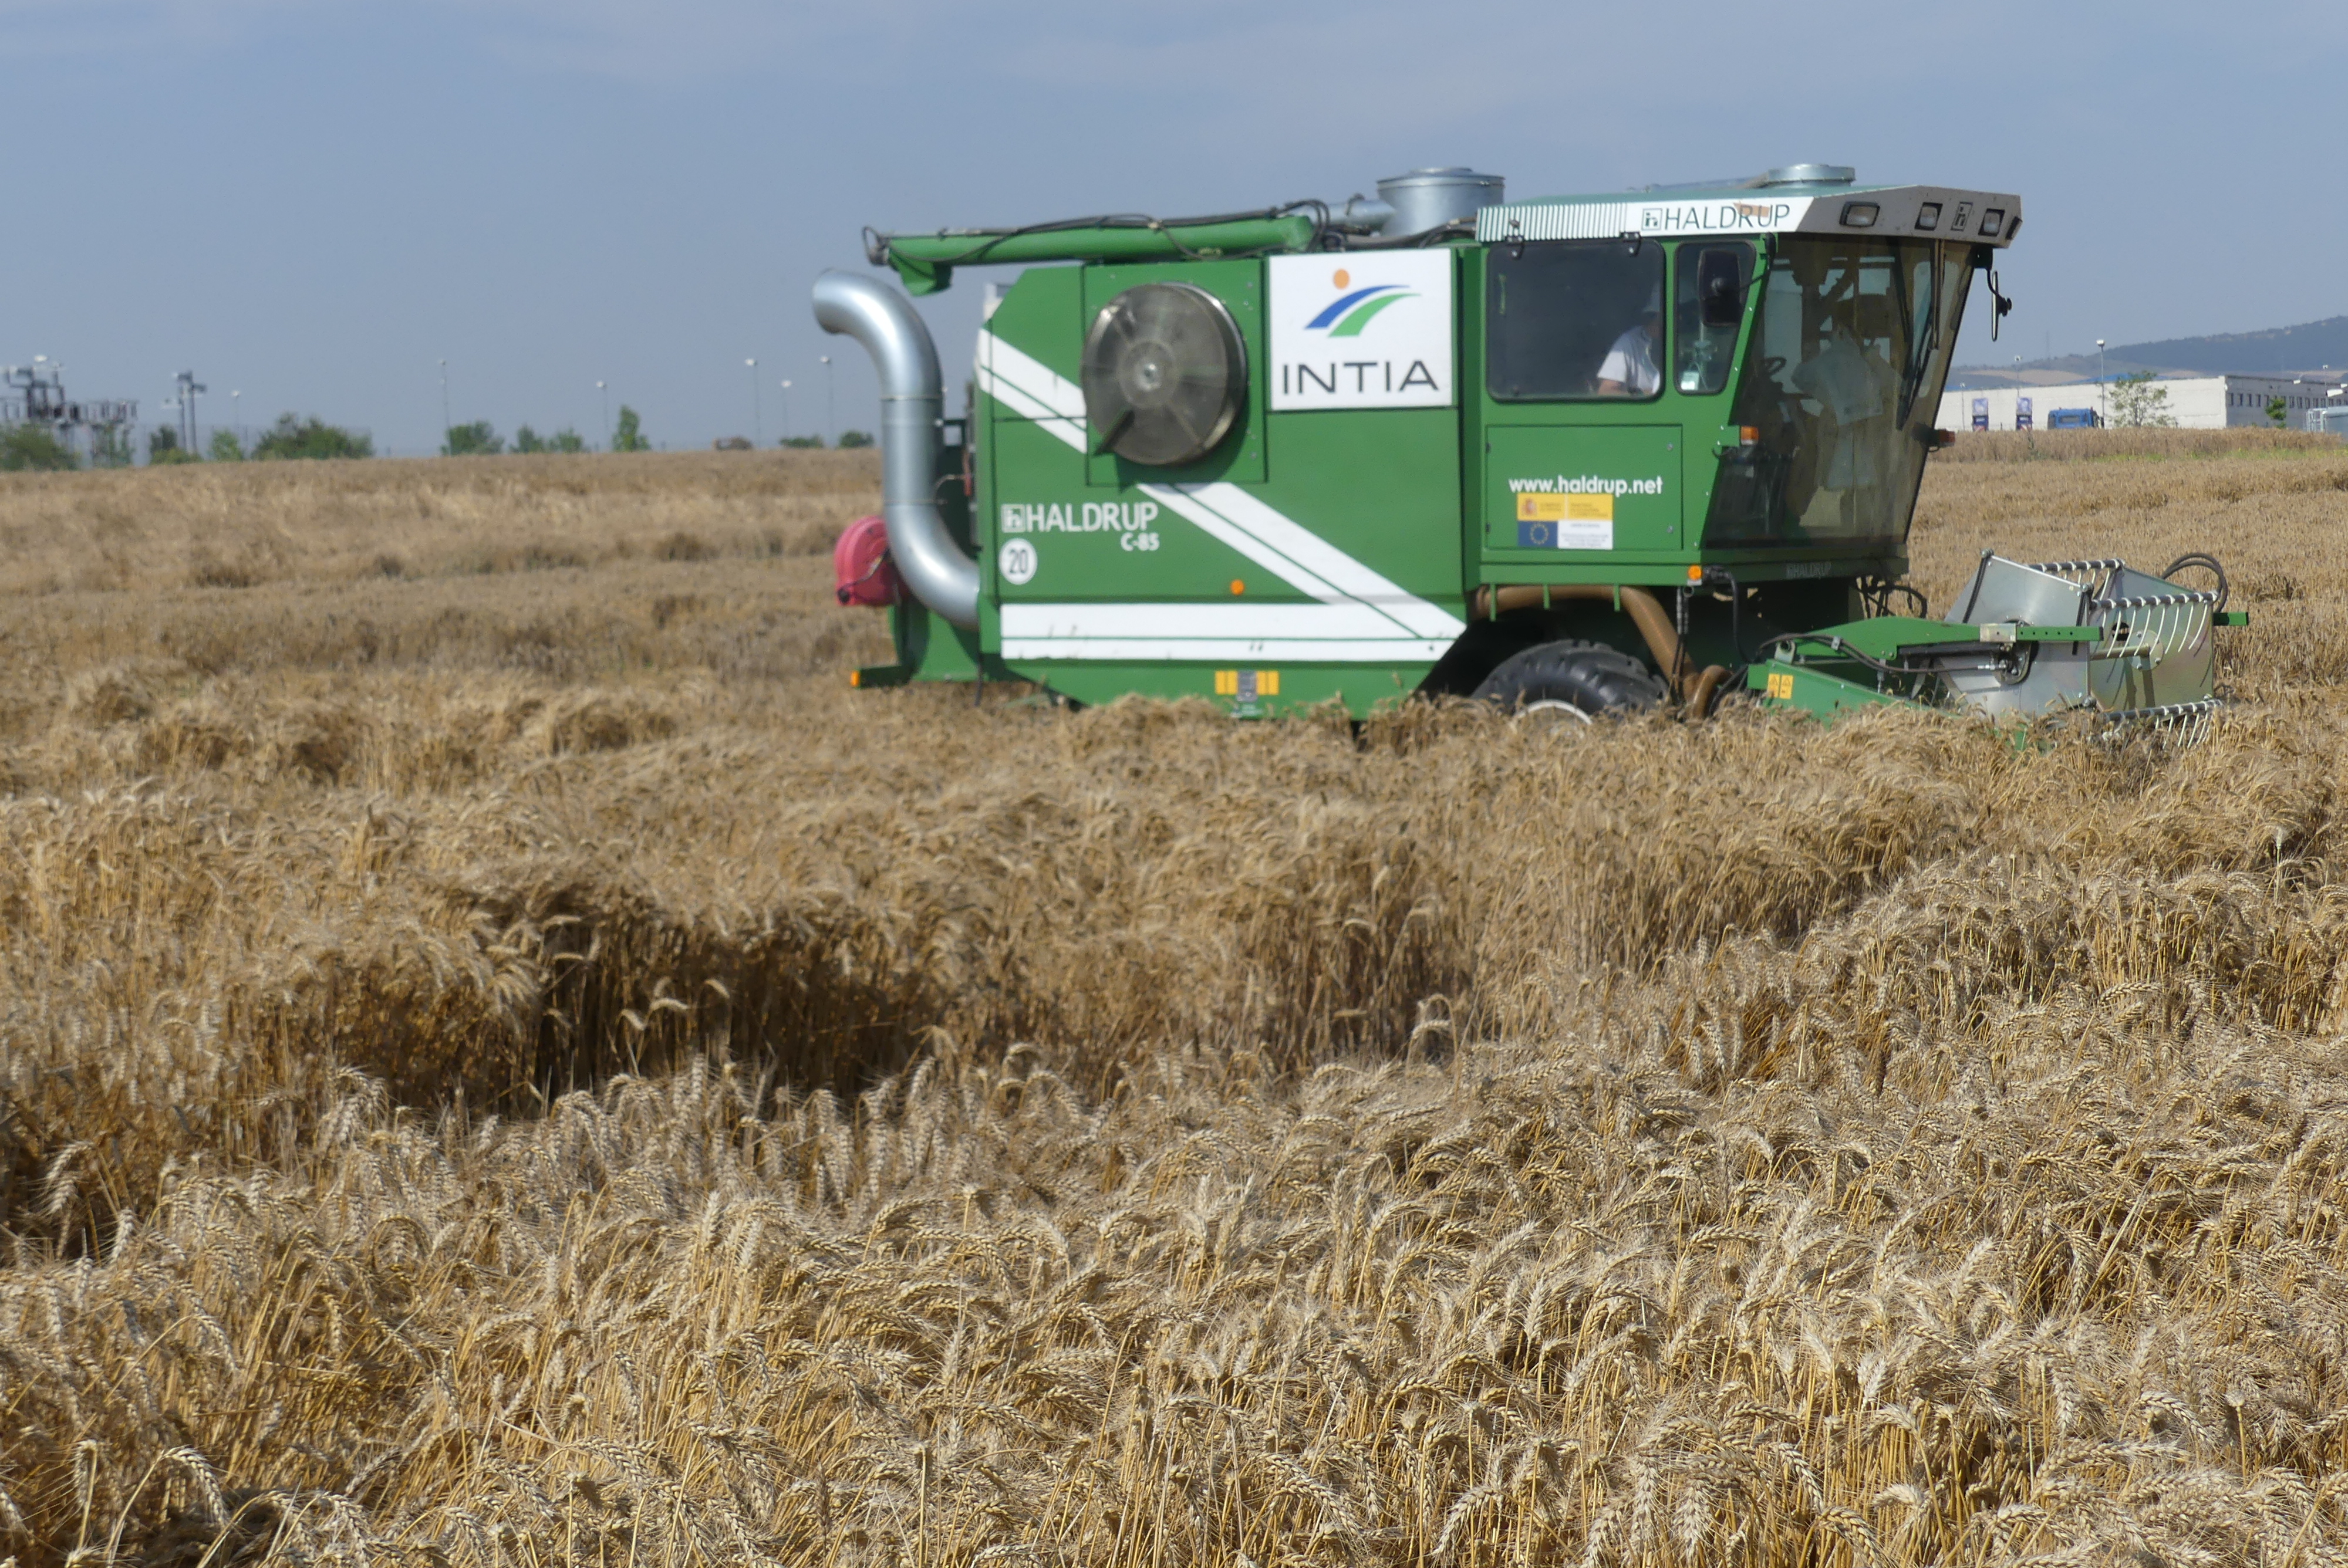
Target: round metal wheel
{"x": 1553, "y": 714}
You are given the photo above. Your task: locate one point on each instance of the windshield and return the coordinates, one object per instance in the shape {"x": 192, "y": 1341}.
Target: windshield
{"x": 1841, "y": 381}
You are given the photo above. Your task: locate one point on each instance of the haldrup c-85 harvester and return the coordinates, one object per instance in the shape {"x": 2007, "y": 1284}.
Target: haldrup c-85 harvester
{"x": 1577, "y": 453}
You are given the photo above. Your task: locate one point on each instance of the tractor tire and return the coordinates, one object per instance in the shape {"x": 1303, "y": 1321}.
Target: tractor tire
{"x": 1587, "y": 677}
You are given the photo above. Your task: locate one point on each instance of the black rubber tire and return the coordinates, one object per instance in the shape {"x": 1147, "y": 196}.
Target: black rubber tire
{"x": 1588, "y": 676}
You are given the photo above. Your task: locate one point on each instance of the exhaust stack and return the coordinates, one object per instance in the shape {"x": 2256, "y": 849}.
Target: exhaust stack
{"x": 912, "y": 404}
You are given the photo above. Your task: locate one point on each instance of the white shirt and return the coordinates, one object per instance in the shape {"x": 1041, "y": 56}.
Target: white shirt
{"x": 1854, "y": 386}
{"x": 1632, "y": 362}
{"x": 1858, "y": 389}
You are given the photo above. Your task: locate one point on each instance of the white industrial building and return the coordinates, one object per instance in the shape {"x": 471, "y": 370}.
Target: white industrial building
{"x": 2195, "y": 403}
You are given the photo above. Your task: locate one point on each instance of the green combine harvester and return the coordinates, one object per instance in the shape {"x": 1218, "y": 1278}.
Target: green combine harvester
{"x": 1577, "y": 453}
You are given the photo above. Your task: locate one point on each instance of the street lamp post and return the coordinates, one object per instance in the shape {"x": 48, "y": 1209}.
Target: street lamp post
{"x": 446, "y": 421}
{"x": 2103, "y": 410}
{"x": 189, "y": 389}
{"x": 757, "y": 418}
{"x": 605, "y": 388}
{"x": 830, "y": 406}
{"x": 787, "y": 411}
{"x": 235, "y": 420}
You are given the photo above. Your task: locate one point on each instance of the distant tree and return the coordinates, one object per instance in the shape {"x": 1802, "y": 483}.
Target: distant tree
{"x": 803, "y": 443}
{"x": 109, "y": 447}
{"x": 478, "y": 439}
{"x": 629, "y": 435}
{"x": 226, "y": 447}
{"x": 563, "y": 440}
{"x": 23, "y": 446}
{"x": 2278, "y": 412}
{"x": 313, "y": 437}
{"x": 730, "y": 444}
{"x": 2138, "y": 405}
{"x": 849, "y": 438}
{"x": 163, "y": 447}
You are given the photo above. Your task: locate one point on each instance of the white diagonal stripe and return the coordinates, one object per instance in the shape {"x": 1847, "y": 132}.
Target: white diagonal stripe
{"x": 1297, "y": 553}
{"x": 1033, "y": 391}
{"x": 1277, "y": 543}
{"x": 1187, "y": 501}
{"x": 1039, "y": 381}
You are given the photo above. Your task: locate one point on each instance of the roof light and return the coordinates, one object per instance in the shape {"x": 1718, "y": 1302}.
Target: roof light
{"x": 1991, "y": 221}
{"x": 1928, "y": 216}
{"x": 1860, "y": 214}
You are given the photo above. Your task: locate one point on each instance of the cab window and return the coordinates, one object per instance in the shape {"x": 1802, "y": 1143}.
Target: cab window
{"x": 1573, "y": 320}
{"x": 1707, "y": 309}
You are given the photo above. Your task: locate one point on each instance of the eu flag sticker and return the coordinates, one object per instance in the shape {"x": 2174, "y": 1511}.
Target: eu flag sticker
{"x": 1536, "y": 535}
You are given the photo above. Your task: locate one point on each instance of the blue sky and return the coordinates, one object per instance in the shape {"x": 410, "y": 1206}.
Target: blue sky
{"x": 315, "y": 201}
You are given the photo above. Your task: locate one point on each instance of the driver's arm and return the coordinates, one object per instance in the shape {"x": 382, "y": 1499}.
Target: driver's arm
{"x": 1611, "y": 386}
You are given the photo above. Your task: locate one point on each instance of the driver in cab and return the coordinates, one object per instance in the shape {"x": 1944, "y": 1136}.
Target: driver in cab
{"x": 1629, "y": 369}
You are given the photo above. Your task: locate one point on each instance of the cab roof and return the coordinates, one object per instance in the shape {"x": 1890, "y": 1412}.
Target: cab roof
{"x": 1803, "y": 199}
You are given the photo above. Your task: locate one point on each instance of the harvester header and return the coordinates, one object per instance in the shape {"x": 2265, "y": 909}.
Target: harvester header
{"x": 1580, "y": 452}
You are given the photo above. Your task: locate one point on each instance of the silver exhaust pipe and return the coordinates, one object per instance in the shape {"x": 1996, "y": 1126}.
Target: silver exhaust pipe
{"x": 912, "y": 404}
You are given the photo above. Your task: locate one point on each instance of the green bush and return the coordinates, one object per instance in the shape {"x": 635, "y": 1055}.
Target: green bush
{"x": 23, "y": 446}
{"x": 479, "y": 439}
{"x": 226, "y": 447}
{"x": 311, "y": 437}
{"x": 563, "y": 440}
{"x": 849, "y": 438}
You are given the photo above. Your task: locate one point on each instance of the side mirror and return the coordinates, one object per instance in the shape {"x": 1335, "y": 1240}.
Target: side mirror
{"x": 1720, "y": 288}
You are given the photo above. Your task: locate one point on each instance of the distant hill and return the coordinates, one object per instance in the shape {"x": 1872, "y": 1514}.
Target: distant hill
{"x": 2277, "y": 350}
{"x": 2287, "y": 351}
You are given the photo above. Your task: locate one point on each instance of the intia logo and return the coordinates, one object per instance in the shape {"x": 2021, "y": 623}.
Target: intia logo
{"x": 1356, "y": 310}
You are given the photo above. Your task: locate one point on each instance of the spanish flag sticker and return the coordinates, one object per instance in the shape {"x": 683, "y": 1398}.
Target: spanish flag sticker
{"x": 1536, "y": 507}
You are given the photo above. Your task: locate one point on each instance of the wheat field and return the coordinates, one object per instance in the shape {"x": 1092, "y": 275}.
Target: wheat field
{"x": 506, "y": 1060}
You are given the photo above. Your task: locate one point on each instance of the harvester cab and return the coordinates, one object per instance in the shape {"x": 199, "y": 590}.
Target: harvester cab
{"x": 1591, "y": 452}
